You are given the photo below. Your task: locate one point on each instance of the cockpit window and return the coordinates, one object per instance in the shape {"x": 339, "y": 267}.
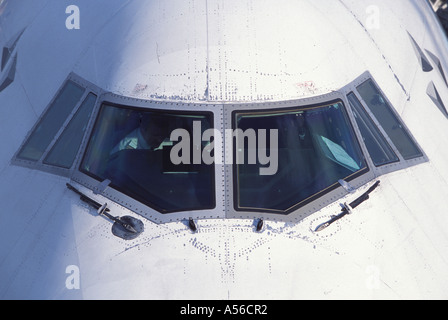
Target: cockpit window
{"x": 379, "y": 150}
{"x": 131, "y": 147}
{"x": 298, "y": 164}
{"x": 388, "y": 120}
{"x": 316, "y": 148}
{"x": 64, "y": 151}
{"x": 52, "y": 121}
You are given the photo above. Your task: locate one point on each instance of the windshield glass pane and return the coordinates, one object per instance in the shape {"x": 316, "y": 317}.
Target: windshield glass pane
{"x": 64, "y": 151}
{"x": 131, "y": 147}
{"x": 51, "y": 122}
{"x": 388, "y": 120}
{"x": 379, "y": 150}
{"x": 316, "y": 148}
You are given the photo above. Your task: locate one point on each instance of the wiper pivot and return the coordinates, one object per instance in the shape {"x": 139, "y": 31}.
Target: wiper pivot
{"x": 126, "y": 227}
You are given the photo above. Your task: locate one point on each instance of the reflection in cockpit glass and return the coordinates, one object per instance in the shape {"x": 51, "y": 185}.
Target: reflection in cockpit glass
{"x": 316, "y": 148}
{"x": 131, "y": 148}
{"x": 388, "y": 120}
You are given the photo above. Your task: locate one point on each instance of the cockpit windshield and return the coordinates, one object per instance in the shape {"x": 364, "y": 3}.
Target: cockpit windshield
{"x": 131, "y": 147}
{"x": 280, "y": 160}
{"x": 316, "y": 148}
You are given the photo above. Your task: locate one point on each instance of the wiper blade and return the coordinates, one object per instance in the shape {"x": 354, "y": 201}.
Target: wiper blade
{"x": 86, "y": 199}
{"x": 347, "y": 208}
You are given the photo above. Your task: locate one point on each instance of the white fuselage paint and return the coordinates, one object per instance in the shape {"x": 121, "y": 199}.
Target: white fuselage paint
{"x": 52, "y": 246}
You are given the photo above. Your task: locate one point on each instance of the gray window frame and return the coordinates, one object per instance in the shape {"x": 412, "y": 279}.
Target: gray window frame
{"x": 106, "y": 104}
{"x": 57, "y": 161}
{"x": 337, "y": 191}
{"x": 318, "y": 194}
{"x": 120, "y": 199}
{"x": 40, "y": 163}
{"x": 365, "y": 118}
{"x": 394, "y": 166}
{"x": 224, "y": 173}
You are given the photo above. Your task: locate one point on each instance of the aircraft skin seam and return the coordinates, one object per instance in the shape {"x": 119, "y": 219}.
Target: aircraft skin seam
{"x": 408, "y": 96}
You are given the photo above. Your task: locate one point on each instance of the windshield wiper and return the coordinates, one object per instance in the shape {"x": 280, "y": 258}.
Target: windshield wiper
{"x": 125, "y": 227}
{"x": 347, "y": 208}
{"x": 96, "y": 205}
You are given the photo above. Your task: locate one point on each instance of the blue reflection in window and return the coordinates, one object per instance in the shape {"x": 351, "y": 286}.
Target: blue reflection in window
{"x": 316, "y": 148}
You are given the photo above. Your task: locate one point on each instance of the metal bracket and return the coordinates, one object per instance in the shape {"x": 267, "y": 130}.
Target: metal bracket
{"x": 99, "y": 189}
{"x": 347, "y": 186}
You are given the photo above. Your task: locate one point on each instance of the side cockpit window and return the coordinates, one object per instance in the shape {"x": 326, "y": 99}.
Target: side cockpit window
{"x": 64, "y": 151}
{"x": 53, "y": 119}
{"x": 55, "y": 140}
{"x": 388, "y": 120}
{"x": 379, "y": 149}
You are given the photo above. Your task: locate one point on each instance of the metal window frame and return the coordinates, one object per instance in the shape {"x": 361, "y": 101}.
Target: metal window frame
{"x": 224, "y": 173}
{"x": 394, "y": 166}
{"x": 320, "y": 199}
{"x": 128, "y": 202}
{"x": 379, "y": 132}
{"x": 72, "y": 118}
{"x": 40, "y": 164}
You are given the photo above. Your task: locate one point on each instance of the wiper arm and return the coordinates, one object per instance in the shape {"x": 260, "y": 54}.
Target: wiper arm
{"x": 96, "y": 205}
{"x": 347, "y": 208}
{"x": 132, "y": 227}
